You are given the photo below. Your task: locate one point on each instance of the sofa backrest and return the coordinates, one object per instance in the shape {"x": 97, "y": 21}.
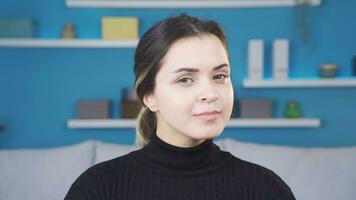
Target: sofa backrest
{"x": 311, "y": 173}
{"x": 42, "y": 174}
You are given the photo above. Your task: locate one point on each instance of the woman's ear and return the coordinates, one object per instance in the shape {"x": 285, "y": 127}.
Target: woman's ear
{"x": 150, "y": 102}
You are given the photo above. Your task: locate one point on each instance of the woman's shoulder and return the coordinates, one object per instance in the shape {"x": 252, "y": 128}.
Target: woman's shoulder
{"x": 96, "y": 178}
{"x": 250, "y": 167}
{"x": 255, "y": 174}
{"x": 104, "y": 167}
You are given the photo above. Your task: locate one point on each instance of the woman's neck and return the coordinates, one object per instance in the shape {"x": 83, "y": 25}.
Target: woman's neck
{"x": 179, "y": 140}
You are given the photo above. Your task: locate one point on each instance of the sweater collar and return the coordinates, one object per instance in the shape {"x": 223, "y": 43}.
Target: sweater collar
{"x": 164, "y": 157}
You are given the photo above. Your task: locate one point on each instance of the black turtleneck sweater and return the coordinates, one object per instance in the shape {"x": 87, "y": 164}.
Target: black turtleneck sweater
{"x": 160, "y": 171}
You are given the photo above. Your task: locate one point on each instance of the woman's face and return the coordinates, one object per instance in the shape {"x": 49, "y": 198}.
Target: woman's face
{"x": 194, "y": 78}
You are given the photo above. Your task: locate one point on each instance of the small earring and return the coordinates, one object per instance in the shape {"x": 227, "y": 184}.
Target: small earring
{"x": 153, "y": 108}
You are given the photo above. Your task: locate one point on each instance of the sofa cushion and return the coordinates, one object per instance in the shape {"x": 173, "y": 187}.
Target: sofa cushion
{"x": 42, "y": 174}
{"x": 311, "y": 173}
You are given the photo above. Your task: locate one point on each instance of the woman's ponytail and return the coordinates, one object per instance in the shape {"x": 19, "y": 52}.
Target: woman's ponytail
{"x": 146, "y": 126}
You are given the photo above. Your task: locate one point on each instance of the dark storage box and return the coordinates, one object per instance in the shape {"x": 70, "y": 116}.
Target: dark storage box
{"x": 93, "y": 109}
{"x": 17, "y": 27}
{"x": 255, "y": 108}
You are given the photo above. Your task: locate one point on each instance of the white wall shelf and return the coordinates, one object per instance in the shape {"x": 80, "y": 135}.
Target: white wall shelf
{"x": 233, "y": 123}
{"x": 300, "y": 83}
{"x": 101, "y": 123}
{"x": 184, "y": 3}
{"x": 275, "y": 123}
{"x": 67, "y": 43}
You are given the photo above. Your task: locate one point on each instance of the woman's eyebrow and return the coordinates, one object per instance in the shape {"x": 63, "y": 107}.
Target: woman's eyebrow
{"x": 197, "y": 70}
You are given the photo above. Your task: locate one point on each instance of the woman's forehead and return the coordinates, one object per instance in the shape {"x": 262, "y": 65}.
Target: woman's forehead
{"x": 196, "y": 69}
{"x": 203, "y": 52}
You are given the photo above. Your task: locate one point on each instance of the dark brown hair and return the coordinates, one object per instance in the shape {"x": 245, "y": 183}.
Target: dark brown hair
{"x": 151, "y": 49}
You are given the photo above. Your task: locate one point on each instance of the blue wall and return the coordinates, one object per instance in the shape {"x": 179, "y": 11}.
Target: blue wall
{"x": 39, "y": 87}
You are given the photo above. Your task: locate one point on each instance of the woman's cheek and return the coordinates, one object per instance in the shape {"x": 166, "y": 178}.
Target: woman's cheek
{"x": 229, "y": 100}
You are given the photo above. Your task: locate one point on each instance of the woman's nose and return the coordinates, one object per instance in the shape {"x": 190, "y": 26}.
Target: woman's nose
{"x": 208, "y": 96}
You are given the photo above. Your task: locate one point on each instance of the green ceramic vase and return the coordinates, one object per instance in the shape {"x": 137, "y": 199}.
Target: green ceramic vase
{"x": 292, "y": 110}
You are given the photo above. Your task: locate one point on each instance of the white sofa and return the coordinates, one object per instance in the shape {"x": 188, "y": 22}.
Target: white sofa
{"x": 46, "y": 174}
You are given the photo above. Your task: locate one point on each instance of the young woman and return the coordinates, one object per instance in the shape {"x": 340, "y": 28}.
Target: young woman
{"x": 182, "y": 73}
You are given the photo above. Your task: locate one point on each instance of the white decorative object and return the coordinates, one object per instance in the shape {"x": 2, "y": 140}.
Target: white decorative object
{"x": 255, "y": 59}
{"x": 280, "y": 58}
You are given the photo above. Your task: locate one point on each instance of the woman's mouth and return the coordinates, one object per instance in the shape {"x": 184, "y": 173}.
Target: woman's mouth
{"x": 208, "y": 116}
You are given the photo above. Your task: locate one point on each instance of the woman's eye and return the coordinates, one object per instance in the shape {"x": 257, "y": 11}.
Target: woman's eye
{"x": 221, "y": 76}
{"x": 184, "y": 80}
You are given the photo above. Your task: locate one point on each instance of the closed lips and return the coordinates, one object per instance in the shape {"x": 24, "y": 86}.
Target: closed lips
{"x": 208, "y": 113}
